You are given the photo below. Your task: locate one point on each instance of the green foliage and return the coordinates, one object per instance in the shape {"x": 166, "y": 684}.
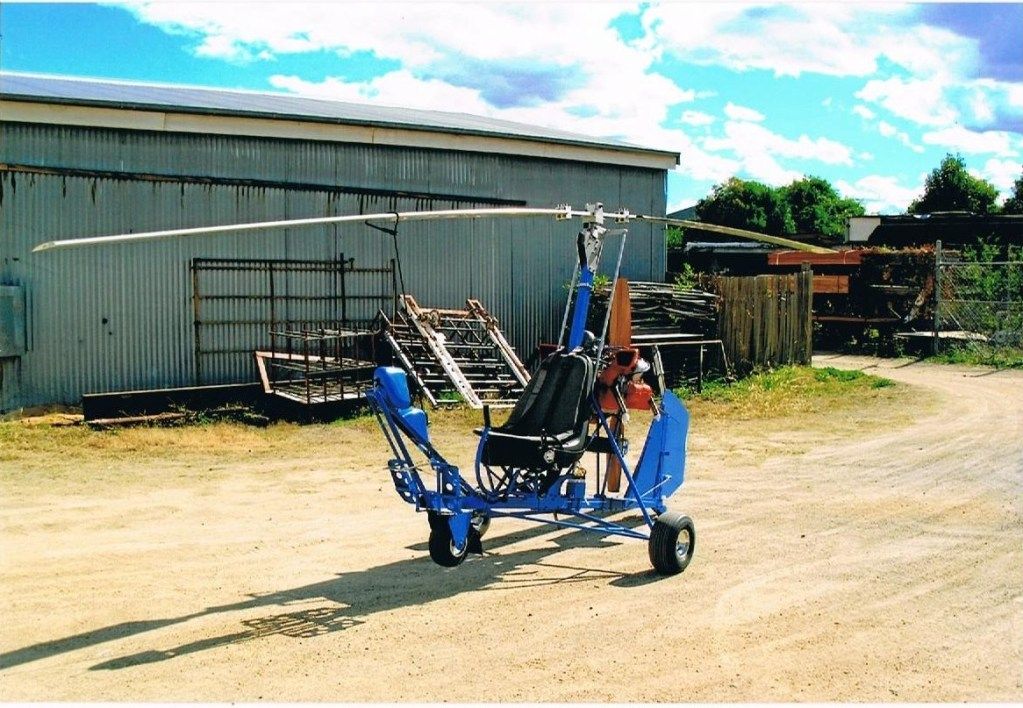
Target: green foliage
{"x": 950, "y": 187}
{"x": 991, "y": 289}
{"x": 829, "y": 372}
{"x": 675, "y": 237}
{"x": 1014, "y": 203}
{"x": 785, "y": 390}
{"x": 982, "y": 355}
{"x": 600, "y": 282}
{"x": 817, "y": 208}
{"x": 686, "y": 279}
{"x": 810, "y": 205}
{"x": 748, "y": 205}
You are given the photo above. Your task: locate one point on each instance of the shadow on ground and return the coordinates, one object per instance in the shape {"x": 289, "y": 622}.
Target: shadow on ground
{"x": 354, "y": 597}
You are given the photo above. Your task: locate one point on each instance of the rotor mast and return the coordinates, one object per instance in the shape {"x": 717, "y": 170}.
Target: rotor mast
{"x": 590, "y": 243}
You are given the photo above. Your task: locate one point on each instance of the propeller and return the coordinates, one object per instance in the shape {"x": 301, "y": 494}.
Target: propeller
{"x": 562, "y": 212}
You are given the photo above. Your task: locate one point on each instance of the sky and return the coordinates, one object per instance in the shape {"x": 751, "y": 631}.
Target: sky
{"x": 868, "y": 96}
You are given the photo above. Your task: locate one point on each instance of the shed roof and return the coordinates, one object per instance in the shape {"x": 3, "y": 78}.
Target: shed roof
{"x": 951, "y": 228}
{"x": 399, "y": 125}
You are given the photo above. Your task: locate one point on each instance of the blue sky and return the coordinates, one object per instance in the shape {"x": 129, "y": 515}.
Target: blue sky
{"x": 868, "y": 96}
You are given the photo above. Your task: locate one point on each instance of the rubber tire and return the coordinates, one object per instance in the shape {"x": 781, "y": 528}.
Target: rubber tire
{"x": 665, "y": 554}
{"x": 442, "y": 550}
{"x": 437, "y": 521}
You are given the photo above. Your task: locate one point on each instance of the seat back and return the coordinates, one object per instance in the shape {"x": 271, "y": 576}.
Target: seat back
{"x": 556, "y": 400}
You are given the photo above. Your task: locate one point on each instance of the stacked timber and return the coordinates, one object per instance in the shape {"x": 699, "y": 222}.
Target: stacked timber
{"x": 659, "y": 308}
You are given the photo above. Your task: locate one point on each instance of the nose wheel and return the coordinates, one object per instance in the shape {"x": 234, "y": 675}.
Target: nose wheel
{"x": 443, "y": 549}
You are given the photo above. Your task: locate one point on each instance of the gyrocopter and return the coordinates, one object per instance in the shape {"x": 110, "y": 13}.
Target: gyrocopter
{"x": 530, "y": 467}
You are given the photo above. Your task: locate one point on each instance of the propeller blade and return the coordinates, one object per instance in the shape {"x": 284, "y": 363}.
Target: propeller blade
{"x": 393, "y": 217}
{"x": 741, "y": 233}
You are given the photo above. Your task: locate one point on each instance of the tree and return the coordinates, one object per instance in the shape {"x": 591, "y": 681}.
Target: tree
{"x": 1014, "y": 204}
{"x": 951, "y": 188}
{"x": 749, "y": 205}
{"x": 817, "y": 208}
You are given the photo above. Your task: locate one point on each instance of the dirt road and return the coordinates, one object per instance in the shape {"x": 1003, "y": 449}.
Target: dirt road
{"x": 873, "y": 558}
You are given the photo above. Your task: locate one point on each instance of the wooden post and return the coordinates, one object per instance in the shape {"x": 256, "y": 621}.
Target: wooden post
{"x": 806, "y": 313}
{"x": 937, "y": 296}
{"x": 699, "y": 376}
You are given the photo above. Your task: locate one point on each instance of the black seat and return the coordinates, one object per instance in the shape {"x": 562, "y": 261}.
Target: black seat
{"x": 547, "y": 428}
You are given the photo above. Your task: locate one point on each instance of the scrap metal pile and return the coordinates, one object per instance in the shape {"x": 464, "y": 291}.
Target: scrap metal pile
{"x": 455, "y": 356}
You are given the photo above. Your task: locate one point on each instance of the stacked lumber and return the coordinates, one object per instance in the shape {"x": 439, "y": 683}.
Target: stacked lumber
{"x": 662, "y": 307}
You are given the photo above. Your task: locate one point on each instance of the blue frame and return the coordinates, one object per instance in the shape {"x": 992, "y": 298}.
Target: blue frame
{"x": 660, "y": 472}
{"x": 457, "y": 501}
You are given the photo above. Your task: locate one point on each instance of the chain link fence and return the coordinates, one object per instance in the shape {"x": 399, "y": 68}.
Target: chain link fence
{"x": 979, "y": 300}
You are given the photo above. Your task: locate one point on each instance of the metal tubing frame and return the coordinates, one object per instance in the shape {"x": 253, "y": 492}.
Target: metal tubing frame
{"x": 603, "y": 526}
{"x": 526, "y": 507}
{"x": 610, "y": 297}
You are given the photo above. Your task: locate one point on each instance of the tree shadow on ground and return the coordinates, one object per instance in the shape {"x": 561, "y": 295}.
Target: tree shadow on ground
{"x": 354, "y": 597}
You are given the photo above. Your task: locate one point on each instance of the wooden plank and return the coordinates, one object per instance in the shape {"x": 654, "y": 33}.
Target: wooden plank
{"x": 620, "y": 327}
{"x": 831, "y": 284}
{"x": 794, "y": 258}
{"x": 853, "y": 319}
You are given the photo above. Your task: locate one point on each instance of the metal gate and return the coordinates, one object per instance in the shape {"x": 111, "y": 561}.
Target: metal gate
{"x": 237, "y": 303}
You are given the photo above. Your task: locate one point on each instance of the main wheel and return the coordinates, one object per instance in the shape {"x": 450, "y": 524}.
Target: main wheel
{"x": 672, "y": 542}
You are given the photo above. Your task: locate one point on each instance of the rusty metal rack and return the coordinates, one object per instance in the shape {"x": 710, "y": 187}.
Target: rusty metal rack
{"x": 318, "y": 366}
{"x": 237, "y": 303}
{"x": 455, "y": 356}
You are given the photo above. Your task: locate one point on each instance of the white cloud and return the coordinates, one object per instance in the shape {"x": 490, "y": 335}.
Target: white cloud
{"x": 736, "y": 112}
{"x": 890, "y": 131}
{"x": 750, "y": 138}
{"x": 701, "y": 165}
{"x": 697, "y": 118}
{"x": 863, "y": 112}
{"x": 836, "y": 39}
{"x": 397, "y": 88}
{"x": 880, "y": 194}
{"x": 1001, "y": 173}
{"x": 942, "y": 102}
{"x": 921, "y": 101}
{"x": 758, "y": 151}
{"x": 961, "y": 139}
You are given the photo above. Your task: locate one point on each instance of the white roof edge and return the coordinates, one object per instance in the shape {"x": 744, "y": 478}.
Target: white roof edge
{"x": 129, "y": 119}
{"x": 362, "y": 124}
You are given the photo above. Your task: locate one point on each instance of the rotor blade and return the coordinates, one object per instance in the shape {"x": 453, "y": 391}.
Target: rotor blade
{"x": 741, "y": 233}
{"x": 563, "y": 212}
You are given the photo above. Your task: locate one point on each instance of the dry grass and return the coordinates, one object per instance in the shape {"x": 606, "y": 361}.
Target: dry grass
{"x": 794, "y": 409}
{"x": 71, "y": 458}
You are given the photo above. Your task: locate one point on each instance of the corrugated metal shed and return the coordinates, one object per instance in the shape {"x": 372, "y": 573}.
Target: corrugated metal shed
{"x": 117, "y": 318}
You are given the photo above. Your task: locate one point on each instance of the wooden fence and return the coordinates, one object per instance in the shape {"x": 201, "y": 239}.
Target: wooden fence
{"x": 765, "y": 321}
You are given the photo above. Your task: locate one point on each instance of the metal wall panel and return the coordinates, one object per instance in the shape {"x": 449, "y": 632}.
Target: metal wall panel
{"x": 120, "y": 317}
